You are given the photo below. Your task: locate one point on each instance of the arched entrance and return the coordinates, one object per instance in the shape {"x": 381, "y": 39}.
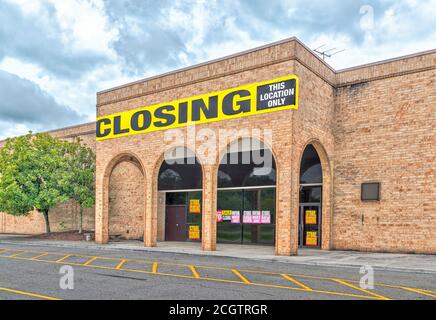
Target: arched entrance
{"x": 180, "y": 197}
{"x": 311, "y": 191}
{"x": 246, "y": 199}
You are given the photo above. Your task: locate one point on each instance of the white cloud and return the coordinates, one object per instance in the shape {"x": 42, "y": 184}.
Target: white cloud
{"x": 10, "y": 129}
{"x": 85, "y": 26}
{"x": 29, "y": 7}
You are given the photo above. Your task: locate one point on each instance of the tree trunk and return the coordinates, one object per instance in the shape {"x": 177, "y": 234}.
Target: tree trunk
{"x": 47, "y": 222}
{"x": 81, "y": 221}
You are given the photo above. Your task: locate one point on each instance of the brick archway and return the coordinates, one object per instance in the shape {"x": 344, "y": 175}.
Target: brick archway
{"x": 103, "y": 189}
{"x": 280, "y": 222}
{"x": 153, "y": 216}
{"x": 327, "y": 188}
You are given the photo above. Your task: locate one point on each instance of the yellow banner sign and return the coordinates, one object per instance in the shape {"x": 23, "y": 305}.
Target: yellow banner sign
{"x": 259, "y": 98}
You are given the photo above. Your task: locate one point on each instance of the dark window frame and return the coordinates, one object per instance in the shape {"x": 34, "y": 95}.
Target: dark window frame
{"x": 188, "y": 169}
{"x": 311, "y": 160}
{"x": 240, "y": 175}
{"x": 376, "y": 183}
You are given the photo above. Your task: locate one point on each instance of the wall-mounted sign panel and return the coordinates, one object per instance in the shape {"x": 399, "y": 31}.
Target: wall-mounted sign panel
{"x": 258, "y": 98}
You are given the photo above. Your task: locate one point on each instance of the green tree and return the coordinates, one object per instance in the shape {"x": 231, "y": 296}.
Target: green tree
{"x": 33, "y": 175}
{"x": 80, "y": 184}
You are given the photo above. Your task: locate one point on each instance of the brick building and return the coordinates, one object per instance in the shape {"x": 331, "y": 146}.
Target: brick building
{"x": 352, "y": 154}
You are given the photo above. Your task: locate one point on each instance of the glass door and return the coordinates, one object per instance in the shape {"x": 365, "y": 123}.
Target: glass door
{"x": 310, "y": 226}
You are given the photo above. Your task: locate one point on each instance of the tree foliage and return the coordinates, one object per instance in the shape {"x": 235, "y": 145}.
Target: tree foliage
{"x": 37, "y": 172}
{"x": 81, "y": 176}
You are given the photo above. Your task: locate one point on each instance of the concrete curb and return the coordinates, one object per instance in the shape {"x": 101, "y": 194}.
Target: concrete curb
{"x": 214, "y": 254}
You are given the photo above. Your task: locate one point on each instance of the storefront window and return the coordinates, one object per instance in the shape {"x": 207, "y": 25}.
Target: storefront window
{"x": 310, "y": 195}
{"x": 243, "y": 174}
{"x": 180, "y": 174}
{"x": 176, "y": 199}
{"x": 311, "y": 171}
{"x": 264, "y": 201}
{"x": 310, "y": 200}
{"x": 228, "y": 232}
{"x": 247, "y": 196}
{"x": 259, "y": 204}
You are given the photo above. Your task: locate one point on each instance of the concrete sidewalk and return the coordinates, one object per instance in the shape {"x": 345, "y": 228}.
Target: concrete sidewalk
{"x": 386, "y": 261}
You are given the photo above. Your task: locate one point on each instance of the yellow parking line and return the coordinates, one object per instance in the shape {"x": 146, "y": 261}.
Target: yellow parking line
{"x": 315, "y": 291}
{"x": 238, "y": 272}
{"x": 28, "y": 294}
{"x": 210, "y": 279}
{"x": 194, "y": 272}
{"x": 360, "y": 289}
{"x": 90, "y": 261}
{"x": 423, "y": 292}
{"x": 240, "y": 276}
{"x": 64, "y": 258}
{"x": 16, "y": 254}
{"x": 428, "y": 291}
{"x": 298, "y": 283}
{"x": 154, "y": 267}
{"x": 120, "y": 265}
{"x": 39, "y": 256}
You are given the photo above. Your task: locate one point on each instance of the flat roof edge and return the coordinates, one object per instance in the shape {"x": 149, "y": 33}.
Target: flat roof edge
{"x": 386, "y": 61}
{"x": 70, "y": 127}
{"x": 57, "y": 130}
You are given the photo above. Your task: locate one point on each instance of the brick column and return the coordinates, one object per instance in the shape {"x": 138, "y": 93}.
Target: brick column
{"x": 284, "y": 220}
{"x": 150, "y": 215}
{"x": 102, "y": 209}
{"x": 209, "y": 208}
{"x": 295, "y": 216}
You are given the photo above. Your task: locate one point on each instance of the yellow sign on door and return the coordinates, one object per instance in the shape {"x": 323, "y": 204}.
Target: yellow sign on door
{"x": 311, "y": 217}
{"x": 194, "y": 232}
{"x": 312, "y": 239}
{"x": 194, "y": 206}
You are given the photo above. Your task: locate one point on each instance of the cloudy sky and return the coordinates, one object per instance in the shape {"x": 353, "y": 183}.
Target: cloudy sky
{"x": 56, "y": 54}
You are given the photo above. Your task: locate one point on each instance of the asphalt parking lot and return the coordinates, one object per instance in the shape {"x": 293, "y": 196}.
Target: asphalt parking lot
{"x": 31, "y": 272}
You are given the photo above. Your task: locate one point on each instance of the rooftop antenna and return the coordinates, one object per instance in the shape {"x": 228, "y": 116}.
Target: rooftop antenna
{"x": 327, "y": 53}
